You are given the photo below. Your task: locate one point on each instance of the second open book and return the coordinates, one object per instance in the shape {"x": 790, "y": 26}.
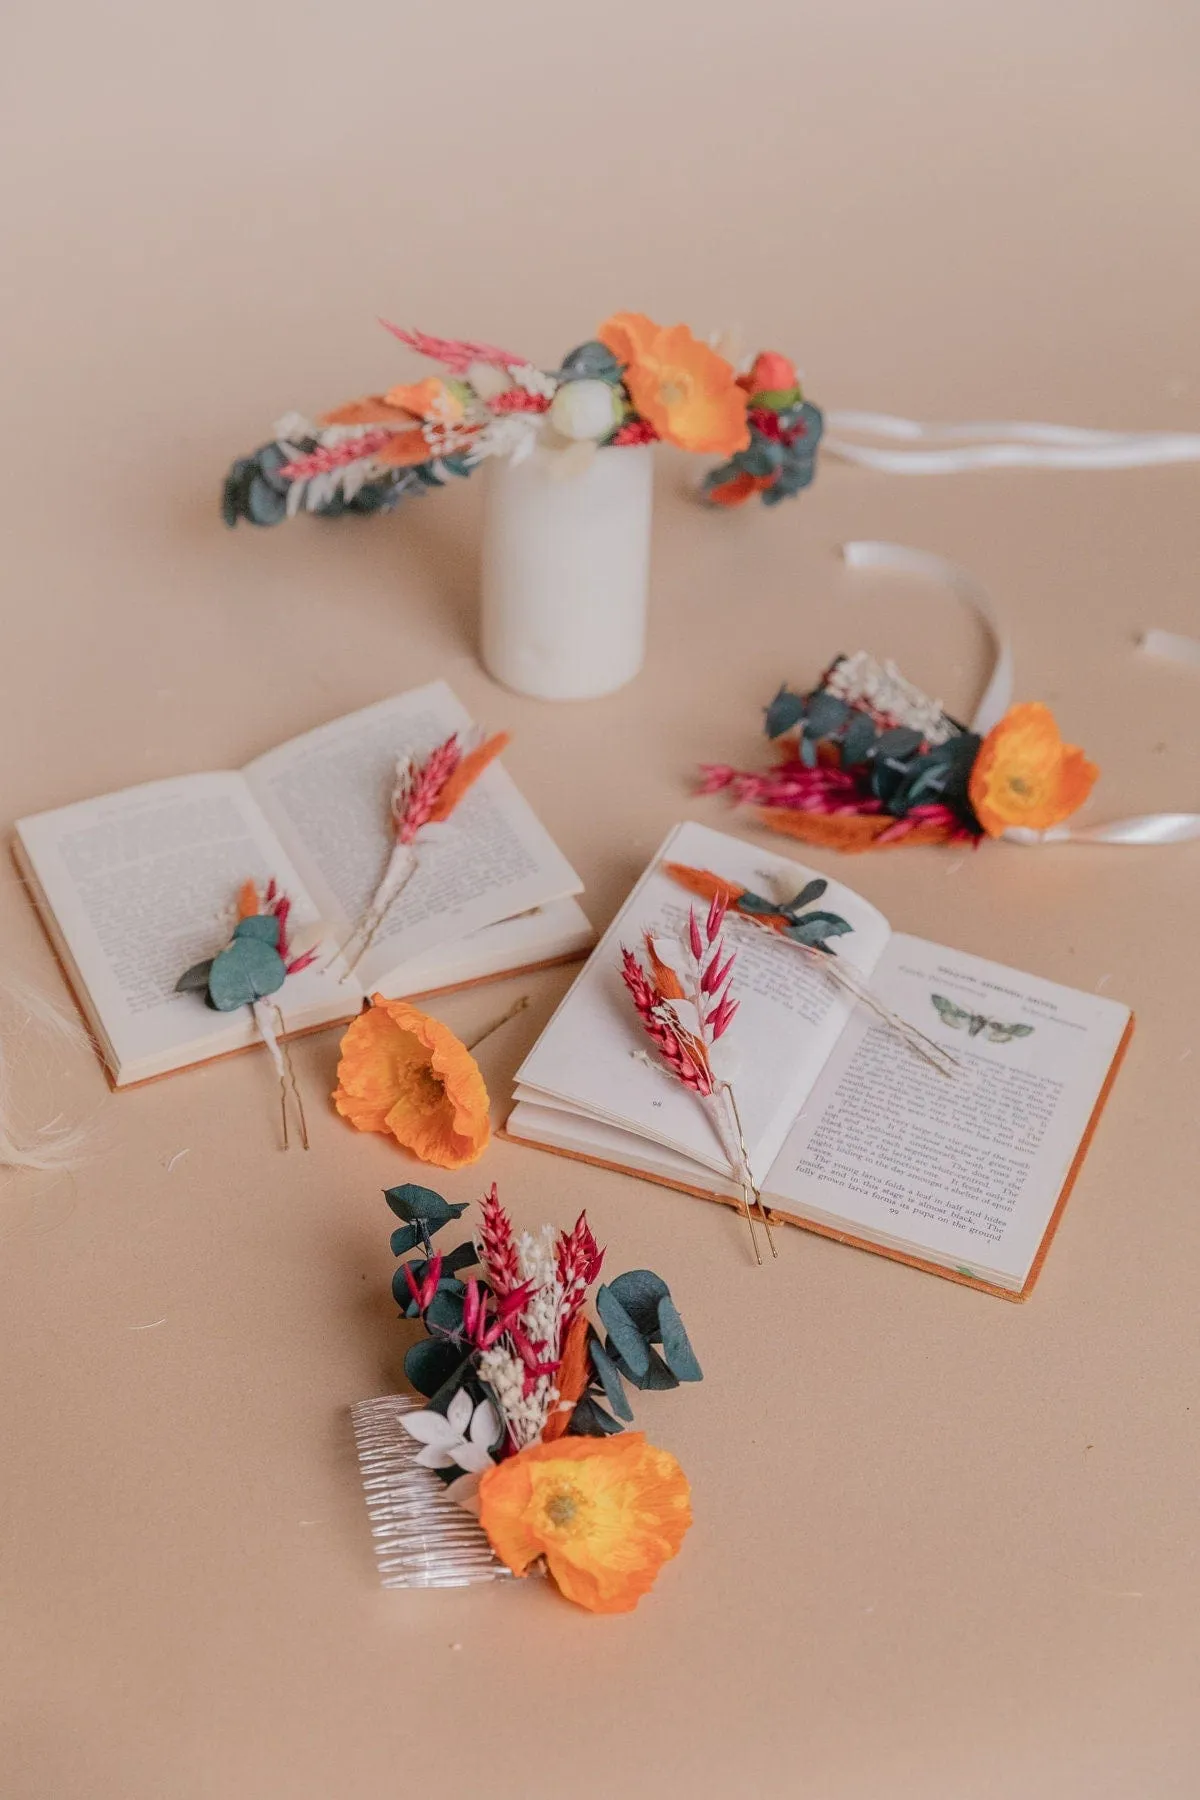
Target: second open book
{"x": 136, "y": 886}
{"x": 849, "y": 1130}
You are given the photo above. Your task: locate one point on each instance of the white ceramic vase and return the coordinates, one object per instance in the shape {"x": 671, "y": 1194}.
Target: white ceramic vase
{"x": 566, "y": 569}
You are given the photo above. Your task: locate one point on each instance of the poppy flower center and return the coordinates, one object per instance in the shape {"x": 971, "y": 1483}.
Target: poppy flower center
{"x": 563, "y": 1508}
{"x": 676, "y": 389}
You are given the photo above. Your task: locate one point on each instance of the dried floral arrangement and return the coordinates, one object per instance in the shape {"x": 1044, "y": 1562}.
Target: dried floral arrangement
{"x": 254, "y": 964}
{"x": 424, "y": 795}
{"x": 635, "y": 383}
{"x": 526, "y": 1396}
{"x": 867, "y": 761}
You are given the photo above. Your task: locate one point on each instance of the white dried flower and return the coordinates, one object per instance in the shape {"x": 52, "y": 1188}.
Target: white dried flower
{"x": 461, "y": 1439}
{"x": 862, "y": 681}
{"x": 534, "y": 381}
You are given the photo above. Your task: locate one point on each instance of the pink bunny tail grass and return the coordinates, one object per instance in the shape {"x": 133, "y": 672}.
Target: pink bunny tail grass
{"x": 497, "y": 1246}
{"x": 428, "y": 782}
{"x": 685, "y": 1058}
{"x": 455, "y": 354}
{"x": 337, "y": 456}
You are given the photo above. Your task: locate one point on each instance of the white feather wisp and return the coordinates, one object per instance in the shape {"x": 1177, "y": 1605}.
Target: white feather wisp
{"x": 34, "y": 1034}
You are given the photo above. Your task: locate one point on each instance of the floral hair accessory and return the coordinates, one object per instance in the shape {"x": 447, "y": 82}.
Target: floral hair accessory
{"x": 253, "y": 966}
{"x": 518, "y": 1461}
{"x": 405, "y": 1074}
{"x": 635, "y": 383}
{"x": 424, "y": 795}
{"x": 866, "y": 761}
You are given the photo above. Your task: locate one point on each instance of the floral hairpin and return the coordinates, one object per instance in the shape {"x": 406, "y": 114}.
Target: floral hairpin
{"x": 867, "y": 761}
{"x": 636, "y": 382}
{"x": 424, "y": 795}
{"x": 526, "y": 1406}
{"x": 254, "y": 965}
{"x": 686, "y": 1004}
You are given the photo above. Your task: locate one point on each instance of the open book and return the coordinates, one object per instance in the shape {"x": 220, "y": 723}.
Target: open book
{"x": 850, "y": 1131}
{"x": 135, "y": 887}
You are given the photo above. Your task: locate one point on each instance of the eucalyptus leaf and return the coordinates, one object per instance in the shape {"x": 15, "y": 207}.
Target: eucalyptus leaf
{"x": 755, "y": 903}
{"x": 639, "y": 1292}
{"x": 858, "y": 740}
{"x": 630, "y": 1343}
{"x": 264, "y": 504}
{"x": 263, "y": 926}
{"x": 610, "y": 1381}
{"x": 678, "y": 1354}
{"x": 195, "y": 979}
{"x": 432, "y": 1362}
{"x": 655, "y": 1375}
{"x": 247, "y": 971}
{"x": 592, "y": 361}
{"x": 898, "y": 743}
{"x": 812, "y": 890}
{"x": 825, "y": 714}
{"x": 445, "y": 1311}
{"x": 590, "y": 1420}
{"x": 785, "y": 711}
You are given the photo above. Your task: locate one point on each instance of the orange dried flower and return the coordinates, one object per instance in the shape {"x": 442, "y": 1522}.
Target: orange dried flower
{"x": 606, "y": 1513}
{"x": 407, "y": 1075}
{"x": 687, "y": 392}
{"x": 1025, "y": 775}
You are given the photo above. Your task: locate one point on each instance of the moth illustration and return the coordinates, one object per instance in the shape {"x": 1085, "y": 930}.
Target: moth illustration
{"x": 959, "y": 1019}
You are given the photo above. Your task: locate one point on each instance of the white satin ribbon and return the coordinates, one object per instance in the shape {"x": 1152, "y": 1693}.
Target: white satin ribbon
{"x": 999, "y": 444}
{"x": 1147, "y": 828}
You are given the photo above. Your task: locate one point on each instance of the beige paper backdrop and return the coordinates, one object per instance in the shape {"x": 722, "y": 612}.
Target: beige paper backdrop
{"x": 944, "y": 1547}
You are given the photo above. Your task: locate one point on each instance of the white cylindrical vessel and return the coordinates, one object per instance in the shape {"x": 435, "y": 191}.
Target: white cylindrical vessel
{"x": 566, "y": 571}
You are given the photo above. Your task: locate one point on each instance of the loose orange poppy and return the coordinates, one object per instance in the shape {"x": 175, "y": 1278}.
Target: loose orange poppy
{"x": 685, "y": 390}
{"x": 1025, "y": 774}
{"x": 407, "y": 1075}
{"x": 606, "y": 1513}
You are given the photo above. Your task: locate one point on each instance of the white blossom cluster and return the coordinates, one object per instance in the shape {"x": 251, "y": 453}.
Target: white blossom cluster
{"x": 862, "y": 681}
{"x": 524, "y": 1414}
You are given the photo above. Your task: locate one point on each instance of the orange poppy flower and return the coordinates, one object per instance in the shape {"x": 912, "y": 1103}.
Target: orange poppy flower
{"x": 407, "y": 1075}
{"x": 687, "y": 392}
{"x": 606, "y": 1513}
{"x": 1025, "y": 774}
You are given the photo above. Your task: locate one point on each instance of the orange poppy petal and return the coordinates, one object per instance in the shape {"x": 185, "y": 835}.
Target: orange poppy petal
{"x": 627, "y": 335}
{"x": 468, "y": 771}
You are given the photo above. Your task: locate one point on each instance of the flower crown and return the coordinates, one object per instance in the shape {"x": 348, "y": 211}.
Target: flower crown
{"x": 634, "y": 383}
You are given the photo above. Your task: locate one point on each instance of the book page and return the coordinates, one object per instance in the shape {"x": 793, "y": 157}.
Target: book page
{"x": 142, "y": 884}
{"x": 327, "y": 794}
{"x": 965, "y": 1169}
{"x": 595, "y": 1056}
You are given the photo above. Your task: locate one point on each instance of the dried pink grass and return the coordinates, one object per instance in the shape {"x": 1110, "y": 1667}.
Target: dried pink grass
{"x": 456, "y": 354}
{"x": 424, "y": 789}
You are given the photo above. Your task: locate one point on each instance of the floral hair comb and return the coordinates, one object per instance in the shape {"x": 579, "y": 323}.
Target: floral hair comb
{"x": 867, "y": 761}
{"x": 636, "y": 382}
{"x": 518, "y": 1462}
{"x": 252, "y": 967}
